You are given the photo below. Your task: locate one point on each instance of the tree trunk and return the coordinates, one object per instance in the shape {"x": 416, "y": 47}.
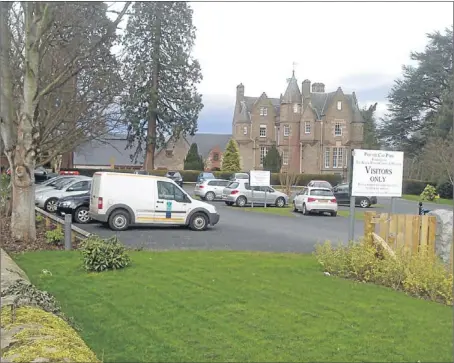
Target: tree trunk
{"x": 151, "y": 132}
{"x": 24, "y": 156}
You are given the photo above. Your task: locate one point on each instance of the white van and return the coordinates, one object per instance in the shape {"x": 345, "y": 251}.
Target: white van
{"x": 122, "y": 200}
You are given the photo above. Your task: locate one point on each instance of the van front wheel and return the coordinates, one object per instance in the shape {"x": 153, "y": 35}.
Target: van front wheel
{"x": 119, "y": 220}
{"x": 198, "y": 222}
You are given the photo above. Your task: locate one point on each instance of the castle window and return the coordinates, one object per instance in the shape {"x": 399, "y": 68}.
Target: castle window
{"x": 216, "y": 157}
{"x": 263, "y": 111}
{"x": 286, "y": 130}
{"x": 169, "y": 153}
{"x": 285, "y": 157}
{"x": 262, "y": 130}
{"x": 337, "y": 129}
{"x": 327, "y": 160}
{"x": 263, "y": 152}
{"x": 338, "y": 157}
{"x": 339, "y": 105}
{"x": 245, "y": 130}
{"x": 307, "y": 127}
{"x": 295, "y": 108}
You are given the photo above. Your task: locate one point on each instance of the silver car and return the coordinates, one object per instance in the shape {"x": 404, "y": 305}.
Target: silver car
{"x": 210, "y": 189}
{"x": 56, "y": 182}
{"x": 241, "y": 193}
{"x": 47, "y": 199}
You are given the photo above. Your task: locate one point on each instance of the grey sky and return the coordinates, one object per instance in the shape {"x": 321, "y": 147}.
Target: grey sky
{"x": 360, "y": 46}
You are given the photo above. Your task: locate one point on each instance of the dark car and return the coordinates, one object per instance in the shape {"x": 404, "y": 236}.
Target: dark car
{"x": 320, "y": 184}
{"x": 41, "y": 174}
{"x": 176, "y": 177}
{"x": 77, "y": 205}
{"x": 342, "y": 194}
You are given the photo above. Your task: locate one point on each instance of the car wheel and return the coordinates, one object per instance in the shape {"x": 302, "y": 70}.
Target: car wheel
{"x": 305, "y": 211}
{"x": 119, "y": 220}
{"x": 241, "y": 201}
{"x": 209, "y": 196}
{"x": 198, "y": 222}
{"x": 81, "y": 215}
{"x": 294, "y": 207}
{"x": 280, "y": 202}
{"x": 364, "y": 203}
{"x": 51, "y": 205}
{"x": 333, "y": 214}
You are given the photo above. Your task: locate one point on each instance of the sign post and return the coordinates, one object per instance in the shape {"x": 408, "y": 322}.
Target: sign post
{"x": 377, "y": 173}
{"x": 259, "y": 178}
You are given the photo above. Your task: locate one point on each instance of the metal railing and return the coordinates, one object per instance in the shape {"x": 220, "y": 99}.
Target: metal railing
{"x": 71, "y": 232}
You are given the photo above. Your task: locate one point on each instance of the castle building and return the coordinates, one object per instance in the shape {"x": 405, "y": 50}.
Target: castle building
{"x": 313, "y": 130}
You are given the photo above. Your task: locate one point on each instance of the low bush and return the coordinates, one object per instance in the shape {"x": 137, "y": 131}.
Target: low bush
{"x": 429, "y": 193}
{"x": 414, "y": 187}
{"x": 445, "y": 190}
{"x": 100, "y": 255}
{"x": 420, "y": 274}
{"x": 55, "y": 236}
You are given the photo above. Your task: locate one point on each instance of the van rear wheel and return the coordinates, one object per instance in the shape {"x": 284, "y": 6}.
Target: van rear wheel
{"x": 119, "y": 220}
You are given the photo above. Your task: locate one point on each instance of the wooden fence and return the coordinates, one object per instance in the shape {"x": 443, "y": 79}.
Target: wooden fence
{"x": 72, "y": 233}
{"x": 407, "y": 231}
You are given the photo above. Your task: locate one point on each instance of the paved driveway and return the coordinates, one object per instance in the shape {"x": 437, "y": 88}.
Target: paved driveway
{"x": 241, "y": 230}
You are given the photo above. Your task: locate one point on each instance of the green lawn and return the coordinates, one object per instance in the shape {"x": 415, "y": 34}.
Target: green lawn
{"x": 286, "y": 211}
{"x": 417, "y": 198}
{"x": 238, "y": 306}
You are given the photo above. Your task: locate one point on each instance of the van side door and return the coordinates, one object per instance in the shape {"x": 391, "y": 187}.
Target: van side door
{"x": 172, "y": 205}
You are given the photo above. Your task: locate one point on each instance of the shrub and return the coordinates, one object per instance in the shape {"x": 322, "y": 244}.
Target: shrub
{"x": 420, "y": 274}
{"x": 414, "y": 187}
{"x": 445, "y": 190}
{"x": 429, "y": 193}
{"x": 55, "y": 236}
{"x": 100, "y": 255}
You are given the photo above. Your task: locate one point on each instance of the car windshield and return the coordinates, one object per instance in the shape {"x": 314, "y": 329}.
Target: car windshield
{"x": 242, "y": 176}
{"x": 321, "y": 193}
{"x": 51, "y": 181}
{"x": 233, "y": 185}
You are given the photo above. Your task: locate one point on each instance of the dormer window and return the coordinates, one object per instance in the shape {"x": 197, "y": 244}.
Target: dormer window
{"x": 339, "y": 105}
{"x": 295, "y": 108}
{"x": 263, "y": 111}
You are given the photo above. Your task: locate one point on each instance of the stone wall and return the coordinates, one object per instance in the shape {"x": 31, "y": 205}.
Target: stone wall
{"x": 28, "y": 332}
{"x": 444, "y": 238}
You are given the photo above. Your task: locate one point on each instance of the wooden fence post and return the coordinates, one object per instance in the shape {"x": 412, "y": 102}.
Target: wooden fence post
{"x": 369, "y": 227}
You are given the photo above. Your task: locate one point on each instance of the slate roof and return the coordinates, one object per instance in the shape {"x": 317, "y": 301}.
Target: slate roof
{"x": 100, "y": 152}
{"x": 320, "y": 102}
{"x": 205, "y": 142}
{"x": 292, "y": 93}
{"x": 114, "y": 146}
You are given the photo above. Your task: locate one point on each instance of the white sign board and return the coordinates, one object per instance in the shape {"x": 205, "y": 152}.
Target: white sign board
{"x": 259, "y": 178}
{"x": 377, "y": 173}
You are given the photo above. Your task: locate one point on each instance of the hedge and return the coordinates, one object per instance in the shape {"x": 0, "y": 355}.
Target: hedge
{"x": 191, "y": 175}
{"x": 414, "y": 187}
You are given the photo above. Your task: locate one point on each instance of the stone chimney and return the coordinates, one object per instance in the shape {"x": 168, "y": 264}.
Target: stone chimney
{"x": 306, "y": 89}
{"x": 240, "y": 92}
{"x": 318, "y": 88}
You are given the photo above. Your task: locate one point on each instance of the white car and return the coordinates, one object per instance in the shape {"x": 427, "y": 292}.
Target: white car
{"x": 56, "y": 182}
{"x": 47, "y": 199}
{"x": 122, "y": 200}
{"x": 315, "y": 200}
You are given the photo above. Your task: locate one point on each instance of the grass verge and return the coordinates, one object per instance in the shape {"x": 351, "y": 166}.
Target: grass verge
{"x": 236, "y": 306}
{"x": 286, "y": 211}
{"x": 417, "y": 198}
